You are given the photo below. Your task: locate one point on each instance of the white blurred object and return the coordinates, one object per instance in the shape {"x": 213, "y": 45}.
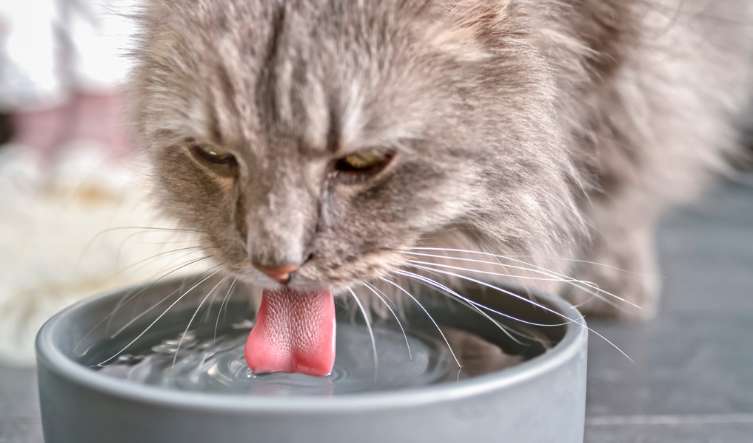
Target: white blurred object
{"x": 62, "y": 239}
{"x": 100, "y": 35}
{"x": 49, "y": 48}
{"x": 28, "y": 57}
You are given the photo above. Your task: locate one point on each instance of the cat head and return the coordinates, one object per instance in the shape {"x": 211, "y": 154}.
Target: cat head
{"x": 330, "y": 137}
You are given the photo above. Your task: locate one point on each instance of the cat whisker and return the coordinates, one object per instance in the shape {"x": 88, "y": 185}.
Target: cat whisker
{"x": 369, "y": 329}
{"x": 384, "y": 301}
{"x": 156, "y": 256}
{"x": 515, "y": 276}
{"x": 208, "y": 312}
{"x": 132, "y": 296}
{"x": 106, "y": 321}
{"x": 225, "y": 300}
{"x": 193, "y": 317}
{"x": 465, "y": 301}
{"x": 145, "y": 312}
{"x": 150, "y": 309}
{"x": 428, "y": 315}
{"x": 472, "y": 302}
{"x": 588, "y": 287}
{"x": 531, "y": 302}
{"x": 146, "y": 228}
{"x": 517, "y": 257}
{"x": 133, "y": 235}
{"x": 213, "y": 271}
{"x": 478, "y": 271}
{"x": 141, "y": 229}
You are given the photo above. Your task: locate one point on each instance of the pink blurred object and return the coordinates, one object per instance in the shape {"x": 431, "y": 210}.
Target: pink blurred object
{"x": 88, "y": 117}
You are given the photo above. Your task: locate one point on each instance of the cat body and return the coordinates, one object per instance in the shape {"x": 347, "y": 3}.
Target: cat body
{"x": 551, "y": 132}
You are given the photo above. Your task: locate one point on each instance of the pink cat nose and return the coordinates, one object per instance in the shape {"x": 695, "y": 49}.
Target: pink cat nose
{"x": 279, "y": 274}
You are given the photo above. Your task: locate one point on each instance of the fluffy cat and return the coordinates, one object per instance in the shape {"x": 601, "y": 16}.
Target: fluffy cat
{"x": 327, "y": 138}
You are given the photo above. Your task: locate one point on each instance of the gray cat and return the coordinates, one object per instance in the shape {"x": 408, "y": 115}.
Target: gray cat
{"x": 325, "y": 143}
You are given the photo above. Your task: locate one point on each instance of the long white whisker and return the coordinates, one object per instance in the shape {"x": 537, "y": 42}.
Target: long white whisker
{"x": 516, "y": 257}
{"x": 478, "y": 271}
{"x": 216, "y": 270}
{"x": 146, "y": 312}
{"x": 193, "y": 317}
{"x": 528, "y": 267}
{"x": 222, "y": 305}
{"x": 369, "y": 329}
{"x": 588, "y": 287}
{"x": 473, "y": 302}
{"x": 429, "y": 316}
{"x": 130, "y": 297}
{"x": 91, "y": 242}
{"x": 516, "y": 276}
{"x": 465, "y": 301}
{"x": 384, "y": 301}
{"x": 108, "y": 318}
{"x": 208, "y": 312}
{"x": 155, "y": 256}
{"x": 538, "y": 305}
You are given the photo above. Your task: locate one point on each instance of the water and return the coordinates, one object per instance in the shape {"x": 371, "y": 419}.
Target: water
{"x": 210, "y": 364}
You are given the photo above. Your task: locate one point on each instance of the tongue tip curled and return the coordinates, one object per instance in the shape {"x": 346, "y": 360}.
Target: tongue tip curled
{"x": 294, "y": 332}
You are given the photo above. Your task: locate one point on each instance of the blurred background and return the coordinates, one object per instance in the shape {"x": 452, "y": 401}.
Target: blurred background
{"x": 76, "y": 218}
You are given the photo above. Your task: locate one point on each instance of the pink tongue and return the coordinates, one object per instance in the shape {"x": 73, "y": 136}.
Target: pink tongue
{"x": 294, "y": 332}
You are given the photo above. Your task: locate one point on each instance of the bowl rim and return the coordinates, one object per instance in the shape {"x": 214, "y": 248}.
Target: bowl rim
{"x": 54, "y": 360}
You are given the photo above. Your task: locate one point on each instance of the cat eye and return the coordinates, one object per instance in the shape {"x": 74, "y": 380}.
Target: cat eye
{"x": 212, "y": 155}
{"x": 368, "y": 162}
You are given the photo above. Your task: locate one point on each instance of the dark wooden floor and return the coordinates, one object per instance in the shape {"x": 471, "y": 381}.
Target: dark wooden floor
{"x": 692, "y": 379}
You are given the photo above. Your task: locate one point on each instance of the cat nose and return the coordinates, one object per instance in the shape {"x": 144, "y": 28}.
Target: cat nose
{"x": 278, "y": 273}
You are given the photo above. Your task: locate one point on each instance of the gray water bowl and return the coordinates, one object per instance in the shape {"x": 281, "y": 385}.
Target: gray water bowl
{"x": 541, "y": 399}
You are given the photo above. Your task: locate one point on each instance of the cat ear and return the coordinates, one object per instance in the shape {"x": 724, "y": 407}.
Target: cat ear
{"x": 465, "y": 26}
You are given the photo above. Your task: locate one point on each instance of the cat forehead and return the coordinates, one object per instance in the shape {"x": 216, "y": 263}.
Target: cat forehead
{"x": 304, "y": 119}
{"x": 304, "y": 103}
{"x": 326, "y": 82}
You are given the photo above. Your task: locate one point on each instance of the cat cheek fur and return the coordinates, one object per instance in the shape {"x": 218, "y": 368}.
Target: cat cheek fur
{"x": 199, "y": 200}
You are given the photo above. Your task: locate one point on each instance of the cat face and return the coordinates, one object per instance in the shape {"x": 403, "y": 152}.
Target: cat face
{"x": 332, "y": 136}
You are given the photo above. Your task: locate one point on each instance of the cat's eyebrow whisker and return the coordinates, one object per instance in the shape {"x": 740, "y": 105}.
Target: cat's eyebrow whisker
{"x": 526, "y": 300}
{"x": 369, "y": 329}
{"x": 213, "y": 271}
{"x": 386, "y": 303}
{"x": 586, "y": 286}
{"x": 428, "y": 315}
{"x": 193, "y": 317}
{"x": 225, "y": 300}
{"x": 478, "y": 271}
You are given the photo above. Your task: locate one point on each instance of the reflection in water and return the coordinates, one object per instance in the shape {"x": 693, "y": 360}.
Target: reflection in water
{"x": 216, "y": 365}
